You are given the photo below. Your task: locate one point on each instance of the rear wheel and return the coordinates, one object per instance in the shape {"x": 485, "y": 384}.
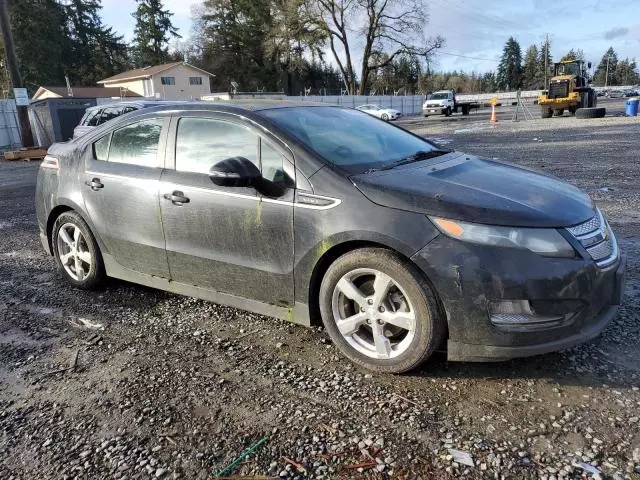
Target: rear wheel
{"x": 76, "y": 252}
{"x": 379, "y": 311}
{"x": 572, "y": 110}
{"x": 598, "y": 112}
{"x": 545, "y": 112}
{"x": 559, "y": 112}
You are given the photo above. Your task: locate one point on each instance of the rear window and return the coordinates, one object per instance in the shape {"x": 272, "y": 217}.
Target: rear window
{"x": 93, "y": 118}
{"x": 110, "y": 113}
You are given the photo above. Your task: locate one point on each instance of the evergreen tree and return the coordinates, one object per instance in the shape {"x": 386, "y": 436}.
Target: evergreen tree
{"x": 626, "y": 72}
{"x": 40, "y": 40}
{"x": 232, "y": 35}
{"x": 93, "y": 51}
{"x": 545, "y": 53}
{"x": 510, "y": 68}
{"x": 606, "y": 71}
{"x": 488, "y": 83}
{"x": 573, "y": 55}
{"x": 530, "y": 69}
{"x": 152, "y": 33}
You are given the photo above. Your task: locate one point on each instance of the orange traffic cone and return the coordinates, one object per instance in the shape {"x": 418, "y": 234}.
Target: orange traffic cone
{"x": 494, "y": 119}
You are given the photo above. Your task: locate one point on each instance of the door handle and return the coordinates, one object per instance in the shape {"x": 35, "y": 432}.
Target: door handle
{"x": 176, "y": 197}
{"x": 95, "y": 184}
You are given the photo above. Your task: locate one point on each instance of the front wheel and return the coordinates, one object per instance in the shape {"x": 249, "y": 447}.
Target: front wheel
{"x": 385, "y": 117}
{"x": 76, "y": 252}
{"x": 447, "y": 112}
{"x": 379, "y": 311}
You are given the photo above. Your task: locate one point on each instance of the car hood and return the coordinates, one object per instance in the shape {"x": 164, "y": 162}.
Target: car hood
{"x": 464, "y": 187}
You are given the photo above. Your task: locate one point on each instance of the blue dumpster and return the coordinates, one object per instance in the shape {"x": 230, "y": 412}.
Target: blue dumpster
{"x": 632, "y": 107}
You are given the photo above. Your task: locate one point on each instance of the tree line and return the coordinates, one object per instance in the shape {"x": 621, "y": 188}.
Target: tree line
{"x": 291, "y": 46}
{"x": 534, "y": 71}
{"x": 250, "y": 45}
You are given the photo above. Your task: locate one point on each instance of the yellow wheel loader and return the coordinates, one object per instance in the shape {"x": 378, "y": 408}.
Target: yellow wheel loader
{"x": 568, "y": 90}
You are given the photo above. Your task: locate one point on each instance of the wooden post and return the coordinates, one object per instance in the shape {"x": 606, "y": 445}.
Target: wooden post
{"x": 14, "y": 74}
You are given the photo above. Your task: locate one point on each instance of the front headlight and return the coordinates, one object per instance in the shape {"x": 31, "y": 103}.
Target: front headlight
{"x": 544, "y": 241}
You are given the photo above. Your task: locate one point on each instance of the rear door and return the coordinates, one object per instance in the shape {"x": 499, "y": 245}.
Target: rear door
{"x": 120, "y": 190}
{"x": 234, "y": 240}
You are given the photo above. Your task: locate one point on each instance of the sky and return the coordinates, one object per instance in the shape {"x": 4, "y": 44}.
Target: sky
{"x": 475, "y": 31}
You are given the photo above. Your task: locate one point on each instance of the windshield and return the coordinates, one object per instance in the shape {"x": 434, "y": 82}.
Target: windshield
{"x": 568, "y": 69}
{"x": 439, "y": 96}
{"x": 350, "y": 139}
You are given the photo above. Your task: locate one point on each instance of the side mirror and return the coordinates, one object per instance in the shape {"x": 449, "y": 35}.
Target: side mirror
{"x": 235, "y": 172}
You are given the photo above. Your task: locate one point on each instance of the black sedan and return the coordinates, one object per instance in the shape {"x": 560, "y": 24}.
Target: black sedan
{"x": 326, "y": 215}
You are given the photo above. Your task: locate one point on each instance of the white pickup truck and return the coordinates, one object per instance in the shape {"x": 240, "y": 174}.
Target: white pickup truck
{"x": 443, "y": 102}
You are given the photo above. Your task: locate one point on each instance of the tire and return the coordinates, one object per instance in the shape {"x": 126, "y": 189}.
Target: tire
{"x": 545, "y": 112}
{"x": 597, "y": 112}
{"x": 447, "y": 112}
{"x": 89, "y": 273}
{"x": 385, "y": 117}
{"x": 401, "y": 349}
{"x": 572, "y": 110}
{"x": 559, "y": 112}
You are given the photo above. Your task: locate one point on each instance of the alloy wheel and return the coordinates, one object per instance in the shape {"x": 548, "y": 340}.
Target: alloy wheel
{"x": 373, "y": 313}
{"x": 73, "y": 252}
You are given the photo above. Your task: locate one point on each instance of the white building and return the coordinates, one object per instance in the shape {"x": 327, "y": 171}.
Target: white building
{"x": 171, "y": 81}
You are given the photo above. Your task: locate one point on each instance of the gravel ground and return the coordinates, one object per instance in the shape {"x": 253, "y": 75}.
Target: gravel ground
{"x": 130, "y": 382}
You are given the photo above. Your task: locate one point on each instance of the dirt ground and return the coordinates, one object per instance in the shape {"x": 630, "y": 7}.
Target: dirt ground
{"x": 130, "y": 382}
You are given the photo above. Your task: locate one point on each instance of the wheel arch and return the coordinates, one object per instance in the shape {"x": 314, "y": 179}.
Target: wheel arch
{"x": 336, "y": 251}
{"x": 69, "y": 206}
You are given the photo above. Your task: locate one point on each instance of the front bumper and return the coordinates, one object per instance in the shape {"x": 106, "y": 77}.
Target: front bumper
{"x": 469, "y": 277}
{"x": 433, "y": 110}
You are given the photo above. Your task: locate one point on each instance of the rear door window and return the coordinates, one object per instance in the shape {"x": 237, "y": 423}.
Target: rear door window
{"x": 101, "y": 148}
{"x": 137, "y": 144}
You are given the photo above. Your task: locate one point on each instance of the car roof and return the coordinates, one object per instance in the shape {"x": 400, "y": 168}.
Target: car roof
{"x": 235, "y": 106}
{"x": 136, "y": 103}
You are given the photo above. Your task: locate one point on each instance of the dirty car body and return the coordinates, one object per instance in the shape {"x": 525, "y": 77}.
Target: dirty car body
{"x": 517, "y": 263}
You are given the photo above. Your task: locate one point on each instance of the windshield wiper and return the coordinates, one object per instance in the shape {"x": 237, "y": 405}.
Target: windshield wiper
{"x": 419, "y": 155}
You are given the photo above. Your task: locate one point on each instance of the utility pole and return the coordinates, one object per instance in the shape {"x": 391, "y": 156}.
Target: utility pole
{"x": 546, "y": 61}
{"x": 606, "y": 75}
{"x": 14, "y": 74}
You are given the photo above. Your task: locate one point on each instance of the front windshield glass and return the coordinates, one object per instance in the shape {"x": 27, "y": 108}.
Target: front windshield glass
{"x": 568, "y": 69}
{"x": 347, "y": 138}
{"x": 439, "y": 96}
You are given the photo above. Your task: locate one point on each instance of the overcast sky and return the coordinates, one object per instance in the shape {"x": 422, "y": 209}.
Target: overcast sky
{"x": 476, "y": 30}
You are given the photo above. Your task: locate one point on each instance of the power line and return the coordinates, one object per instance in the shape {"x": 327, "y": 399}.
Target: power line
{"x": 466, "y": 56}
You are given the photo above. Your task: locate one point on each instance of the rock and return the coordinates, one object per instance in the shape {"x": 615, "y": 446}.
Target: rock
{"x": 160, "y": 472}
{"x": 462, "y": 457}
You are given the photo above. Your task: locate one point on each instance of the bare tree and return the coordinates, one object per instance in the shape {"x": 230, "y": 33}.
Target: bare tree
{"x": 386, "y": 28}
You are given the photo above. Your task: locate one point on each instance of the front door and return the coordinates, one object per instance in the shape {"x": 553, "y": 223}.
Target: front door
{"x": 120, "y": 191}
{"x": 234, "y": 240}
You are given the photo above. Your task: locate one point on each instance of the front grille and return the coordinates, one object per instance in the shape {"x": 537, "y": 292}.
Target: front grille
{"x": 559, "y": 89}
{"x": 433, "y": 105}
{"x": 598, "y": 239}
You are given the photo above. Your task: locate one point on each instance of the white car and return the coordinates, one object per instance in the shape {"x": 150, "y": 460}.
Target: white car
{"x": 383, "y": 113}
